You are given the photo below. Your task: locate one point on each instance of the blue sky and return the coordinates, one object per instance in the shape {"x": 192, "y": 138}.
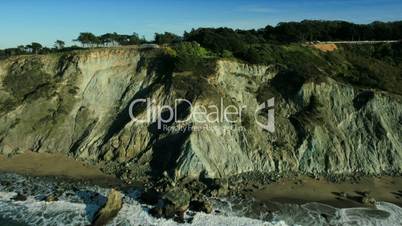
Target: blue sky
{"x": 44, "y": 21}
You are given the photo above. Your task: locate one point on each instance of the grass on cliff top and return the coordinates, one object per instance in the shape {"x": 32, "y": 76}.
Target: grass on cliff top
{"x": 371, "y": 66}
{"x": 368, "y": 66}
{"x": 377, "y": 66}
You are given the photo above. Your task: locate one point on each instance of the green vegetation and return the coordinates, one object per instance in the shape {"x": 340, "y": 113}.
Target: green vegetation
{"x": 23, "y": 82}
{"x": 188, "y": 55}
{"x": 307, "y": 30}
{"x": 59, "y": 44}
{"x": 242, "y": 44}
{"x": 254, "y": 46}
{"x": 374, "y": 65}
{"x": 36, "y": 48}
{"x": 167, "y": 38}
{"x": 88, "y": 39}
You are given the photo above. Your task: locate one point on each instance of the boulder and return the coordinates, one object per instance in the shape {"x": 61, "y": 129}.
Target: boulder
{"x": 110, "y": 209}
{"x": 150, "y": 197}
{"x": 177, "y": 200}
{"x": 156, "y": 212}
{"x": 19, "y": 197}
{"x": 369, "y": 201}
{"x": 201, "y": 206}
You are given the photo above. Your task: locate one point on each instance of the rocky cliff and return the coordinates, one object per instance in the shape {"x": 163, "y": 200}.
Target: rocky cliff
{"x": 78, "y": 103}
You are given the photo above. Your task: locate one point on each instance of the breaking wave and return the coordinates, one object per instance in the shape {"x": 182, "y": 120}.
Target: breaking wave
{"x": 78, "y": 203}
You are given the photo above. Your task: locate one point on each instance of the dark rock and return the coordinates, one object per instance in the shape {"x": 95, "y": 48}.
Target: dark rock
{"x": 19, "y": 197}
{"x": 362, "y": 99}
{"x": 150, "y": 197}
{"x": 169, "y": 210}
{"x": 201, "y": 206}
{"x": 156, "y": 212}
{"x": 177, "y": 198}
{"x": 179, "y": 218}
{"x": 173, "y": 204}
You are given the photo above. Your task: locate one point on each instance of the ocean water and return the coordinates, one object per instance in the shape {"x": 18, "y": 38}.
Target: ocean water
{"x": 77, "y": 203}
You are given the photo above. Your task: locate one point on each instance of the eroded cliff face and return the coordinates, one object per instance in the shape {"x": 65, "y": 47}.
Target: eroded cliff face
{"x": 78, "y": 104}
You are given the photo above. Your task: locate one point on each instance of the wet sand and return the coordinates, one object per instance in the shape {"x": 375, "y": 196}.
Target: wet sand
{"x": 55, "y": 164}
{"x": 342, "y": 194}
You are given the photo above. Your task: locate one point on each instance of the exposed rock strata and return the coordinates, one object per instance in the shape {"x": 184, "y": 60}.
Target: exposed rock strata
{"x": 77, "y": 104}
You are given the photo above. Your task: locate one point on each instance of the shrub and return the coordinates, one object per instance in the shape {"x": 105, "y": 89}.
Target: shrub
{"x": 188, "y": 55}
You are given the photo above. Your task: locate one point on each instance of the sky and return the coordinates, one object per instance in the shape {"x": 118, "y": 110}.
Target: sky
{"x": 45, "y": 21}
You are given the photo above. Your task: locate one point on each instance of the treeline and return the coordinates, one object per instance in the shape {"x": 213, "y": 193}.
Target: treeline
{"x": 90, "y": 40}
{"x": 313, "y": 30}
{"x": 244, "y": 44}
{"x": 86, "y": 40}
{"x": 36, "y": 48}
{"x": 236, "y": 41}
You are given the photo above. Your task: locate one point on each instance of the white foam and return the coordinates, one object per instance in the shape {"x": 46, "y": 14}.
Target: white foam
{"x": 6, "y": 196}
{"x": 136, "y": 214}
{"x": 78, "y": 208}
{"x": 33, "y": 212}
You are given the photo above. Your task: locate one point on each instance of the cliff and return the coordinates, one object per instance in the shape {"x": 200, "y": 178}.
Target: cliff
{"x": 78, "y": 103}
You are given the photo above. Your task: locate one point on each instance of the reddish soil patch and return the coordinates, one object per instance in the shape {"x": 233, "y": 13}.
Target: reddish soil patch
{"x": 326, "y": 47}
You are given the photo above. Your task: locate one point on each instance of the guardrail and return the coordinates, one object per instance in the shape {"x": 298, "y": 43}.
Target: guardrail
{"x": 355, "y": 42}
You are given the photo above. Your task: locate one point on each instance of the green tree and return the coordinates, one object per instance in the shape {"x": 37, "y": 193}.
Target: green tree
{"x": 188, "y": 55}
{"x": 108, "y": 39}
{"x": 87, "y": 39}
{"x": 133, "y": 39}
{"x": 167, "y": 38}
{"x": 59, "y": 44}
{"x": 35, "y": 47}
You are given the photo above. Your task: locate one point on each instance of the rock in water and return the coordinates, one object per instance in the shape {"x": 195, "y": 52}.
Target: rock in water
{"x": 369, "y": 201}
{"x": 110, "y": 210}
{"x": 51, "y": 198}
{"x": 201, "y": 206}
{"x": 19, "y": 197}
{"x": 150, "y": 197}
{"x": 156, "y": 212}
{"x": 175, "y": 202}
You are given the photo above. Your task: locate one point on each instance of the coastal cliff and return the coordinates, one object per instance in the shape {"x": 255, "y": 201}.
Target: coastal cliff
{"x": 78, "y": 103}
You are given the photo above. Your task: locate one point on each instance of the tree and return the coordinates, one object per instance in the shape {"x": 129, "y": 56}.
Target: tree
{"x": 35, "y": 47}
{"x": 21, "y": 48}
{"x": 167, "y": 38}
{"x": 88, "y": 39}
{"x": 59, "y": 44}
{"x": 108, "y": 39}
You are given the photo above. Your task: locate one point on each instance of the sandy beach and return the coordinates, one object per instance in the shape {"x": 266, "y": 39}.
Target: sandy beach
{"x": 55, "y": 164}
{"x": 291, "y": 190}
{"x": 342, "y": 194}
